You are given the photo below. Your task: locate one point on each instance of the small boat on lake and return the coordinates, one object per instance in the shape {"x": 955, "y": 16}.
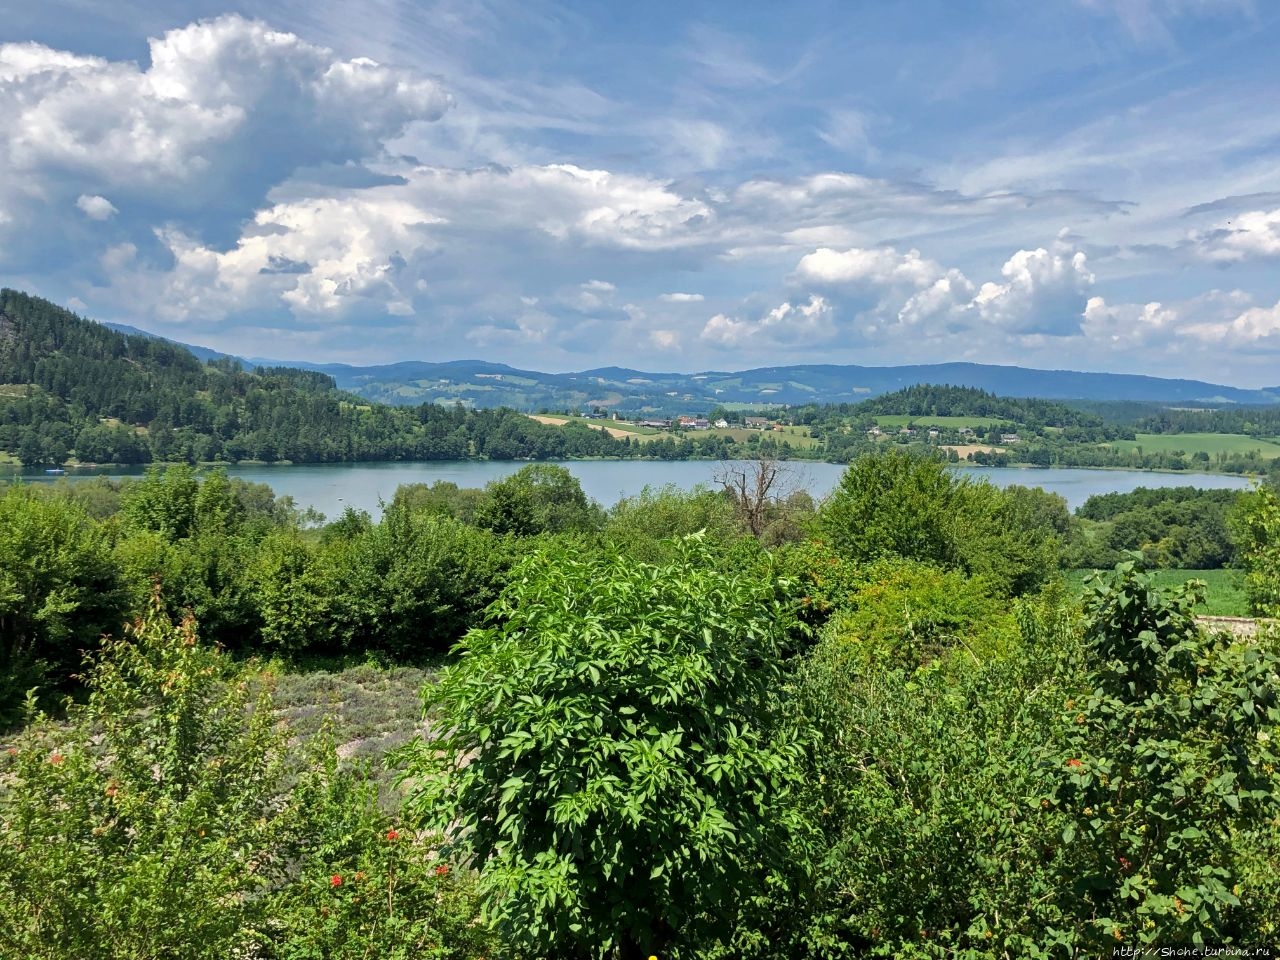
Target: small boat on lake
{"x": 56, "y": 471}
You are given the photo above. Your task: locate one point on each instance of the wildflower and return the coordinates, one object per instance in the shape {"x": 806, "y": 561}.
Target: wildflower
{"x": 1074, "y": 764}
{"x": 335, "y": 881}
{"x": 13, "y": 751}
{"x": 441, "y": 870}
{"x": 392, "y": 836}
{"x": 57, "y": 759}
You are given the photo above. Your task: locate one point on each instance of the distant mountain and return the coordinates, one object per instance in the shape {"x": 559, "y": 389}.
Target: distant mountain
{"x": 481, "y": 384}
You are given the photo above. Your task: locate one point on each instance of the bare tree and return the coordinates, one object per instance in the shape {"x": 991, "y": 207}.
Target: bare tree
{"x": 758, "y": 488}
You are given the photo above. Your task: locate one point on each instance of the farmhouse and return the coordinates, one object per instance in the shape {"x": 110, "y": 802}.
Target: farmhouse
{"x": 758, "y": 423}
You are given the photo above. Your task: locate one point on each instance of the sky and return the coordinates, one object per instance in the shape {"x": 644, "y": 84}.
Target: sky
{"x": 1072, "y": 184}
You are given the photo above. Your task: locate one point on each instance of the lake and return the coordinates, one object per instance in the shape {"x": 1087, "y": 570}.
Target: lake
{"x": 330, "y": 488}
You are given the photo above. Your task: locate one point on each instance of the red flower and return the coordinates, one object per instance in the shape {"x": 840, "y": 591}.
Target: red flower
{"x": 1074, "y": 764}
{"x": 335, "y": 881}
{"x": 441, "y": 870}
{"x": 57, "y": 759}
{"x": 392, "y": 836}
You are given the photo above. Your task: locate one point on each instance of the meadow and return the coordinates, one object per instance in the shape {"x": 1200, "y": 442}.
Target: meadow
{"x": 1224, "y": 595}
{"x": 1210, "y": 443}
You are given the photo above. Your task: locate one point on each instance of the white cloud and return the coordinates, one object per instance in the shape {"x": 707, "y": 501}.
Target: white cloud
{"x": 786, "y": 323}
{"x": 1042, "y": 292}
{"x": 665, "y": 339}
{"x": 599, "y": 286}
{"x": 1247, "y": 236}
{"x": 1245, "y": 329}
{"x": 883, "y": 266}
{"x": 682, "y": 297}
{"x": 192, "y": 124}
{"x": 95, "y": 207}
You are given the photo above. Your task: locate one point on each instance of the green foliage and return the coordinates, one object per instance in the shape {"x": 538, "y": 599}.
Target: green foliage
{"x": 917, "y": 786}
{"x": 1255, "y": 524}
{"x": 905, "y": 615}
{"x": 60, "y": 590}
{"x": 1169, "y": 768}
{"x": 896, "y": 504}
{"x": 648, "y": 526}
{"x": 367, "y": 887}
{"x": 604, "y": 752}
{"x": 1177, "y": 527}
{"x": 151, "y": 823}
{"x": 539, "y": 498}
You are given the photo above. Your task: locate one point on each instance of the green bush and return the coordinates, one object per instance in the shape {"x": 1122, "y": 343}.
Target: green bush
{"x": 154, "y": 821}
{"x": 60, "y": 590}
{"x": 1169, "y": 775}
{"x": 919, "y": 788}
{"x": 604, "y": 752}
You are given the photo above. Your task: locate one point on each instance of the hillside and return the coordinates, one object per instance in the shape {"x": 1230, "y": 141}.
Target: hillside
{"x": 482, "y": 384}
{"x": 75, "y": 390}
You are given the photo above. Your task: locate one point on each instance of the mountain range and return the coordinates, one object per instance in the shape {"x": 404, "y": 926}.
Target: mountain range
{"x": 480, "y": 383}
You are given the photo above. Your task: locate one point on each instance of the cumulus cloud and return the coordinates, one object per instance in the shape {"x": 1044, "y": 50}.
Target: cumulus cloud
{"x": 1245, "y": 329}
{"x": 879, "y": 267}
{"x": 95, "y": 207}
{"x": 1223, "y": 318}
{"x": 1247, "y": 236}
{"x": 1043, "y": 292}
{"x": 786, "y": 323}
{"x": 682, "y": 297}
{"x": 223, "y": 110}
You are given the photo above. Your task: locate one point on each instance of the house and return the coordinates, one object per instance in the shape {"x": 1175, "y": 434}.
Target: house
{"x": 722, "y": 424}
{"x": 933, "y": 434}
{"x": 1010, "y": 438}
{"x": 907, "y": 432}
{"x": 758, "y": 423}
{"x": 656, "y": 424}
{"x": 875, "y": 432}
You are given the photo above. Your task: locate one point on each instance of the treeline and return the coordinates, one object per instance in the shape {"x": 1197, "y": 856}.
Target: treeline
{"x": 1182, "y": 528}
{"x": 930, "y": 400}
{"x": 1250, "y": 421}
{"x": 877, "y": 728}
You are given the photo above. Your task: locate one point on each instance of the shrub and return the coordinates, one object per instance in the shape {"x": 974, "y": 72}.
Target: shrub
{"x": 603, "y": 753}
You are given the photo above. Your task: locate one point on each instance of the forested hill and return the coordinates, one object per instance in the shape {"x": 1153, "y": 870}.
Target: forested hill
{"x": 74, "y": 389}
{"x": 927, "y": 400}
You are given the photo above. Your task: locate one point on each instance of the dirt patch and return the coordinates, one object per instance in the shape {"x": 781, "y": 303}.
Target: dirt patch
{"x": 1243, "y": 627}
{"x": 964, "y": 449}
{"x": 558, "y": 422}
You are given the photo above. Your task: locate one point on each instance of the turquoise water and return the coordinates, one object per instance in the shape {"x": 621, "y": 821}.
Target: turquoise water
{"x": 330, "y": 488}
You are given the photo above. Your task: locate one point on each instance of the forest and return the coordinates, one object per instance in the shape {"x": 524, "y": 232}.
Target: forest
{"x": 719, "y": 723}
{"x": 75, "y": 392}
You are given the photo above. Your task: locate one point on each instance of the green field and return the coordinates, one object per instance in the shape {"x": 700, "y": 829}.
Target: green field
{"x": 1210, "y": 443}
{"x": 904, "y": 420}
{"x": 1225, "y": 596}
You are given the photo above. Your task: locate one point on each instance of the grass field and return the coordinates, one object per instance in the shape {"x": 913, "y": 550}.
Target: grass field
{"x": 1225, "y": 596}
{"x": 1210, "y": 443}
{"x": 903, "y": 420}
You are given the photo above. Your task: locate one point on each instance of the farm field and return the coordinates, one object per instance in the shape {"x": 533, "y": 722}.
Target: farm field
{"x": 798, "y": 437}
{"x": 612, "y": 427}
{"x": 1224, "y": 598}
{"x": 1210, "y": 443}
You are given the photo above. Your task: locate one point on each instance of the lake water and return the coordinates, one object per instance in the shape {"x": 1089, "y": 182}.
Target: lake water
{"x": 330, "y": 488}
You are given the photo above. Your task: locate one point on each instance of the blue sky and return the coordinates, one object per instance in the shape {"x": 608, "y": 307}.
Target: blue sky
{"x": 1089, "y": 184}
